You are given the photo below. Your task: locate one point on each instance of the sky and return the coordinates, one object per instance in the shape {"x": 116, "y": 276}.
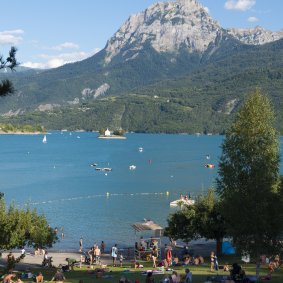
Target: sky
{"x": 50, "y": 33}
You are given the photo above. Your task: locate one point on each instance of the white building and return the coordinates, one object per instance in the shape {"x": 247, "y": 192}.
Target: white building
{"x": 107, "y": 133}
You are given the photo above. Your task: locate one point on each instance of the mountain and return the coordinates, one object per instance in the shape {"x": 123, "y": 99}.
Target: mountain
{"x": 255, "y": 36}
{"x": 213, "y": 68}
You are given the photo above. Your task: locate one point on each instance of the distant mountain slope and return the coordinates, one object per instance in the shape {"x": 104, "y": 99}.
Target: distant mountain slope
{"x": 175, "y": 51}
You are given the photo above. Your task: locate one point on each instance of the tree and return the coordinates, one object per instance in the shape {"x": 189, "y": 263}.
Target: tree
{"x": 248, "y": 182}
{"x": 6, "y": 87}
{"x": 203, "y": 219}
{"x": 21, "y": 227}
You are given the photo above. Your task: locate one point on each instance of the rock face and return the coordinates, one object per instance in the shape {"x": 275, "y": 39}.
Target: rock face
{"x": 167, "y": 26}
{"x": 255, "y": 36}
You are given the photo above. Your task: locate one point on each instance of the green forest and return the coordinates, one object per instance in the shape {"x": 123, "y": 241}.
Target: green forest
{"x": 153, "y": 93}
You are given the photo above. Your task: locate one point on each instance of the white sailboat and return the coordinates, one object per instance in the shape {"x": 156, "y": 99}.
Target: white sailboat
{"x": 44, "y": 139}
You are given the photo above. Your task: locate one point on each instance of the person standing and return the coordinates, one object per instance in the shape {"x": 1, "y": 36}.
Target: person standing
{"x": 154, "y": 255}
{"x": 114, "y": 253}
{"x": 216, "y": 266}
{"x": 189, "y": 275}
{"x": 97, "y": 253}
{"x": 62, "y": 232}
{"x": 102, "y": 247}
{"x": 81, "y": 244}
{"x": 121, "y": 258}
{"x": 169, "y": 256}
{"x": 212, "y": 262}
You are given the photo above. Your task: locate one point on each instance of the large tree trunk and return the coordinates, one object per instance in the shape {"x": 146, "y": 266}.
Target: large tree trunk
{"x": 219, "y": 242}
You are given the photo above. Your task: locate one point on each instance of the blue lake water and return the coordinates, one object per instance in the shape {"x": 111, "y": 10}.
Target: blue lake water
{"x": 56, "y": 178}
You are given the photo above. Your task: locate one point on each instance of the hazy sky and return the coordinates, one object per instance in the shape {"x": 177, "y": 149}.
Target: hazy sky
{"x": 49, "y": 33}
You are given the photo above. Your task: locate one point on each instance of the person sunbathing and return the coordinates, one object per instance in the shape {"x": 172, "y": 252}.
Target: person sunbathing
{"x": 9, "y": 278}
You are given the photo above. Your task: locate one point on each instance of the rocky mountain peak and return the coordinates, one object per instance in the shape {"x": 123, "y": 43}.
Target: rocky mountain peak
{"x": 255, "y": 36}
{"x": 166, "y": 26}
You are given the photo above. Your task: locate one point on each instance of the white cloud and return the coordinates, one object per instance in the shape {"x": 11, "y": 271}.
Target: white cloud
{"x": 12, "y": 37}
{"x": 206, "y": 9}
{"x": 66, "y": 45}
{"x": 54, "y": 61}
{"x": 241, "y": 5}
{"x": 252, "y": 19}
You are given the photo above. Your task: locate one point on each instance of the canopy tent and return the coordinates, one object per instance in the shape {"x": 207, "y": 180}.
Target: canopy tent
{"x": 149, "y": 225}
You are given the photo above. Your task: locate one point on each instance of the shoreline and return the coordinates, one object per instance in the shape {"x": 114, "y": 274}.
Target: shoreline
{"x": 112, "y": 137}
{"x": 21, "y": 133}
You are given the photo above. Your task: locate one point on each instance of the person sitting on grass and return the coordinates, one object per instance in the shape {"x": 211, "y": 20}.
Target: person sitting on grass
{"x": 58, "y": 277}
{"x": 9, "y": 278}
{"x": 137, "y": 265}
{"x": 175, "y": 277}
{"x": 226, "y": 267}
{"x": 39, "y": 277}
{"x": 149, "y": 278}
{"x": 124, "y": 279}
{"x": 187, "y": 261}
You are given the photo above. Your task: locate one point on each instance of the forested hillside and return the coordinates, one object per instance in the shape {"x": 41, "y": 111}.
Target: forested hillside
{"x": 204, "y": 100}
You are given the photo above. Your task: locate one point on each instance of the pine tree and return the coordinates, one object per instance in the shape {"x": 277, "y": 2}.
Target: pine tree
{"x": 6, "y": 87}
{"x": 248, "y": 182}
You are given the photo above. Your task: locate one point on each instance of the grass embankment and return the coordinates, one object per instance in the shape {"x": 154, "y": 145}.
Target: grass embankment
{"x": 200, "y": 273}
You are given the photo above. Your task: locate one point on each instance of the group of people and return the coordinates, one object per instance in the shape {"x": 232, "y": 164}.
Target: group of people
{"x": 178, "y": 278}
{"x": 94, "y": 254}
{"x": 12, "y": 277}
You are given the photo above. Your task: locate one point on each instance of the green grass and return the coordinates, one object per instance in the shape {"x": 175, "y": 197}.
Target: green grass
{"x": 200, "y": 273}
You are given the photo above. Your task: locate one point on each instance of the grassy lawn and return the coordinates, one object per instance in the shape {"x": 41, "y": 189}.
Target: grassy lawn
{"x": 200, "y": 273}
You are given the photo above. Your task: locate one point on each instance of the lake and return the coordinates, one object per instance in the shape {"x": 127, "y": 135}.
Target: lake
{"x": 56, "y": 178}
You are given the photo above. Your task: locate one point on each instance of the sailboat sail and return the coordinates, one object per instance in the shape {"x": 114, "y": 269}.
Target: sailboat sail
{"x": 44, "y": 139}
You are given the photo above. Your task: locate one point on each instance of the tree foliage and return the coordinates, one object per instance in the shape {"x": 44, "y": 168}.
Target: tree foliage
{"x": 248, "y": 182}
{"x": 203, "y": 219}
{"x": 6, "y": 87}
{"x": 23, "y": 227}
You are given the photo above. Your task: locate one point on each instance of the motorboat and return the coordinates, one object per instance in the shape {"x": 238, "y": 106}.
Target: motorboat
{"x": 132, "y": 167}
{"x": 181, "y": 202}
{"x": 103, "y": 169}
{"x": 140, "y": 149}
{"x": 210, "y": 166}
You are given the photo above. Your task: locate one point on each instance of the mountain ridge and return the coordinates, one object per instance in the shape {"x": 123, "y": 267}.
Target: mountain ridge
{"x": 169, "y": 40}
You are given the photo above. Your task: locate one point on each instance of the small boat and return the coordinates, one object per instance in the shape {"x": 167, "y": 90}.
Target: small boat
{"x": 140, "y": 149}
{"x": 211, "y": 166}
{"x": 93, "y": 164}
{"x": 181, "y": 202}
{"x": 103, "y": 169}
{"x": 132, "y": 167}
{"x": 44, "y": 140}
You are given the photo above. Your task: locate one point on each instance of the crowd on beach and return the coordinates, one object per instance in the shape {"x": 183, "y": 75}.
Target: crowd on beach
{"x": 146, "y": 250}
{"x": 13, "y": 277}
